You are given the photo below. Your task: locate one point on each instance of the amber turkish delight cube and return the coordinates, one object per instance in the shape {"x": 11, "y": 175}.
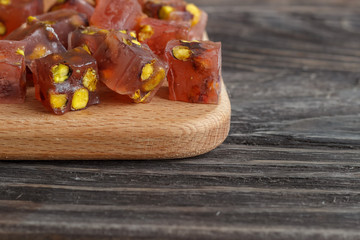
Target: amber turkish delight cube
{"x": 63, "y": 22}
{"x": 89, "y": 38}
{"x": 12, "y": 72}
{"x": 130, "y": 68}
{"x": 195, "y": 70}
{"x": 81, "y": 6}
{"x": 120, "y": 14}
{"x": 13, "y": 13}
{"x": 66, "y": 82}
{"x": 157, "y": 33}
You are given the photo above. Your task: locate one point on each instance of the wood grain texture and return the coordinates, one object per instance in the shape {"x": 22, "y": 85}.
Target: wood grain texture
{"x": 288, "y": 170}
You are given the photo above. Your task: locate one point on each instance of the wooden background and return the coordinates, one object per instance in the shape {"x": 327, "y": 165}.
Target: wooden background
{"x": 290, "y": 168}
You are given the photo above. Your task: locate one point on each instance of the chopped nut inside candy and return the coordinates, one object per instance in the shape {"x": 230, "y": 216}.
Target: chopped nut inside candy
{"x": 147, "y": 71}
{"x": 145, "y": 32}
{"x": 58, "y": 101}
{"x": 90, "y": 79}
{"x": 155, "y": 81}
{"x": 165, "y": 11}
{"x": 60, "y": 73}
{"x": 182, "y": 53}
{"x": 2, "y": 29}
{"x": 5, "y": 2}
{"x": 39, "y": 51}
{"x": 80, "y": 99}
{"x": 195, "y": 11}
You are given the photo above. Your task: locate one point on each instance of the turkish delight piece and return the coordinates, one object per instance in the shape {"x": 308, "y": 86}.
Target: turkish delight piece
{"x": 13, "y": 13}
{"x": 120, "y": 14}
{"x": 12, "y": 72}
{"x": 81, "y": 6}
{"x": 66, "y": 82}
{"x": 157, "y": 33}
{"x": 130, "y": 68}
{"x": 63, "y": 22}
{"x": 89, "y": 38}
{"x": 180, "y": 11}
{"x": 41, "y": 40}
{"x": 195, "y": 70}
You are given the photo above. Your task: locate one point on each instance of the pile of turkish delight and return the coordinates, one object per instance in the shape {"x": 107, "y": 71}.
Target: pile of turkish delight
{"x": 132, "y": 46}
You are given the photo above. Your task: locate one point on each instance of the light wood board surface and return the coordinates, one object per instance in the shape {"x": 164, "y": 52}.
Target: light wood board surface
{"x": 162, "y": 129}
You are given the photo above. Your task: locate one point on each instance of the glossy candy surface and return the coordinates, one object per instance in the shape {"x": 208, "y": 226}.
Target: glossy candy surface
{"x": 12, "y": 72}
{"x": 13, "y": 13}
{"x": 40, "y": 39}
{"x": 89, "y": 38}
{"x": 81, "y": 6}
{"x": 129, "y": 68}
{"x": 120, "y": 14}
{"x": 195, "y": 70}
{"x": 63, "y": 22}
{"x": 157, "y": 33}
{"x": 66, "y": 82}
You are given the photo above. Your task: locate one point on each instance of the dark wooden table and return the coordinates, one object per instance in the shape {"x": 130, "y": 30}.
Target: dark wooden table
{"x": 290, "y": 168}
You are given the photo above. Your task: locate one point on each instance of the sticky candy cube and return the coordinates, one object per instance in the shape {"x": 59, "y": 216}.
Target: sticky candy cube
{"x": 81, "y": 6}
{"x": 130, "y": 68}
{"x": 12, "y": 72}
{"x": 195, "y": 70}
{"x": 62, "y": 21}
{"x": 66, "y": 82}
{"x": 157, "y": 33}
{"x": 118, "y": 15}
{"x": 13, "y": 13}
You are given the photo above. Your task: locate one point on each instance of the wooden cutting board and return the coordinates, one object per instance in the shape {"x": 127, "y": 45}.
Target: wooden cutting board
{"x": 162, "y": 129}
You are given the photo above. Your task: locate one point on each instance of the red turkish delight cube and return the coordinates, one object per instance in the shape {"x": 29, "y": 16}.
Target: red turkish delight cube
{"x": 120, "y": 14}
{"x": 89, "y": 38}
{"x": 12, "y": 72}
{"x": 13, "y": 13}
{"x": 81, "y": 6}
{"x": 41, "y": 40}
{"x": 66, "y": 82}
{"x": 63, "y": 22}
{"x": 130, "y": 68}
{"x": 195, "y": 70}
{"x": 180, "y": 11}
{"x": 157, "y": 33}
